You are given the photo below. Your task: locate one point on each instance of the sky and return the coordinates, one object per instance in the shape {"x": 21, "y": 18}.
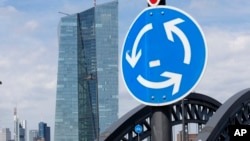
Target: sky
{"x": 29, "y": 52}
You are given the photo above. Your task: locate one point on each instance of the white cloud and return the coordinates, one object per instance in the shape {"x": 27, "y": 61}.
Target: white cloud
{"x": 7, "y": 14}
{"x": 4, "y": 63}
{"x": 240, "y": 43}
{"x": 228, "y": 65}
{"x": 203, "y": 5}
{"x": 31, "y": 25}
{"x": 7, "y": 9}
{"x": 28, "y": 65}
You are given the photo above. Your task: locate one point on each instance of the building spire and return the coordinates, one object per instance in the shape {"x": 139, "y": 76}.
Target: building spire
{"x": 15, "y": 111}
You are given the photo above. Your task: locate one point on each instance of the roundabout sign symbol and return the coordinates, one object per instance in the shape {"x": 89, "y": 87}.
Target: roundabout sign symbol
{"x": 170, "y": 28}
{"x": 164, "y": 56}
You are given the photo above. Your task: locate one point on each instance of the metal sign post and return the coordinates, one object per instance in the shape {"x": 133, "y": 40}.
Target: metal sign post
{"x": 161, "y": 129}
{"x": 183, "y": 120}
{"x": 161, "y": 117}
{"x": 138, "y": 130}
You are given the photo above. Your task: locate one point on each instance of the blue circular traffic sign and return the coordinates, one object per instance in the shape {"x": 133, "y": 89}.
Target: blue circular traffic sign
{"x": 138, "y": 129}
{"x": 164, "y": 56}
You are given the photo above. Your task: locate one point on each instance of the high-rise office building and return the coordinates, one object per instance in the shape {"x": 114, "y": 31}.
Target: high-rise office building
{"x": 87, "y": 82}
{"x": 33, "y": 135}
{"x": 43, "y": 131}
{"x": 16, "y": 125}
{"x": 20, "y": 128}
{"x": 5, "y": 134}
{"x": 23, "y": 130}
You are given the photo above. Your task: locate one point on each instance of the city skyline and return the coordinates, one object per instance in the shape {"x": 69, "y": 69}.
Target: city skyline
{"x": 28, "y": 52}
{"x": 21, "y": 132}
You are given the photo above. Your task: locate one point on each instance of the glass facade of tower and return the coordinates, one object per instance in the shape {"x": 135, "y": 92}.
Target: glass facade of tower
{"x": 106, "y": 22}
{"x": 44, "y": 131}
{"x": 87, "y": 73}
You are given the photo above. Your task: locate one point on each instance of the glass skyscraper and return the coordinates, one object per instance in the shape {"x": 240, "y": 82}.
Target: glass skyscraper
{"x": 87, "y": 82}
{"x": 43, "y": 131}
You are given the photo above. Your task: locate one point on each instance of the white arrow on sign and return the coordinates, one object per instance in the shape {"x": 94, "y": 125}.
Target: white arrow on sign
{"x": 134, "y": 58}
{"x": 170, "y": 28}
{"x": 174, "y": 79}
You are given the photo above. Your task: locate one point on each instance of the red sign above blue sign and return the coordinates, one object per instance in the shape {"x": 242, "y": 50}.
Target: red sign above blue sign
{"x": 153, "y": 2}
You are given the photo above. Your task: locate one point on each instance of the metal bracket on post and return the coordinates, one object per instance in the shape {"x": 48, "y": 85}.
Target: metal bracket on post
{"x": 162, "y": 2}
{"x": 161, "y": 128}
